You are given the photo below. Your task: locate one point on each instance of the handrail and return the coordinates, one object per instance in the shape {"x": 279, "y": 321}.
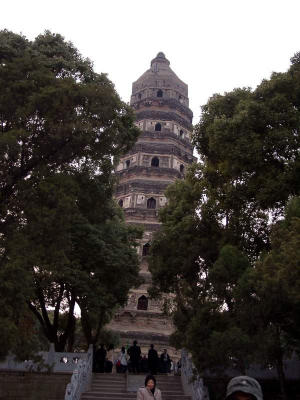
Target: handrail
{"x": 191, "y": 381}
{"x": 81, "y": 377}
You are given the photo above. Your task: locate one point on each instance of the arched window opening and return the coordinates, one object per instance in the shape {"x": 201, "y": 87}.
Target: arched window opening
{"x": 181, "y": 133}
{"x": 155, "y": 162}
{"x": 146, "y": 249}
{"x": 151, "y": 203}
{"x": 127, "y": 163}
{"x": 120, "y": 203}
{"x": 142, "y": 303}
{"x": 158, "y": 127}
{"x": 182, "y": 168}
{"x": 159, "y": 93}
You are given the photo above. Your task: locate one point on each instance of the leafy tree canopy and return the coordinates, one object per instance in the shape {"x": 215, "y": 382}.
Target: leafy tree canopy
{"x": 229, "y": 244}
{"x": 63, "y": 239}
{"x": 55, "y": 112}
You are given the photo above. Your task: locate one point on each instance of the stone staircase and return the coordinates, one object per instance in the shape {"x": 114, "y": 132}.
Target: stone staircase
{"x": 113, "y": 387}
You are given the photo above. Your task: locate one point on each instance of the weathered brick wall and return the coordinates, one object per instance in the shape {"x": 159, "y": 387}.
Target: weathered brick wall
{"x": 33, "y": 386}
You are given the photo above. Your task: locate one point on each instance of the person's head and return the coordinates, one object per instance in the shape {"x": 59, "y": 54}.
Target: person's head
{"x": 134, "y": 342}
{"x": 150, "y": 382}
{"x": 165, "y": 351}
{"x": 152, "y": 346}
{"x": 123, "y": 349}
{"x": 243, "y": 388}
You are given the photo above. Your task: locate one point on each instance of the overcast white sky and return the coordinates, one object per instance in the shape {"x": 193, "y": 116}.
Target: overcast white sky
{"x": 213, "y": 46}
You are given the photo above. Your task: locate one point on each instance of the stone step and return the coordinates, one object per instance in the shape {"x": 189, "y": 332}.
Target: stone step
{"x": 114, "y": 377}
{"x": 127, "y": 396}
{"x": 122, "y": 390}
{"x": 107, "y": 390}
{"x": 103, "y": 386}
{"x": 109, "y": 382}
{"x": 114, "y": 387}
{"x": 111, "y": 396}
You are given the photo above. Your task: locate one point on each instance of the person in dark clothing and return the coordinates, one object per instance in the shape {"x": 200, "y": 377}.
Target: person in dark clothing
{"x": 144, "y": 364}
{"x": 134, "y": 353}
{"x": 165, "y": 362}
{"x": 100, "y": 356}
{"x": 152, "y": 360}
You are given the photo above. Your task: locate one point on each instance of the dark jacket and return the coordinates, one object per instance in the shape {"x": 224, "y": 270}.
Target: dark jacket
{"x": 134, "y": 352}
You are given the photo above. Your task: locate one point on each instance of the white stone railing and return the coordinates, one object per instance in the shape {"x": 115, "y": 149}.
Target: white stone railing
{"x": 191, "y": 381}
{"x": 81, "y": 377}
{"x": 50, "y": 361}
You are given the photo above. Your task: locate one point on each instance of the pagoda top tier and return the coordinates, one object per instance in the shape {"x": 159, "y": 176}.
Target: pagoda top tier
{"x": 160, "y": 76}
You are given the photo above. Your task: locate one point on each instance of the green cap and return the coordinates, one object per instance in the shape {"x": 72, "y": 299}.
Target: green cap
{"x": 244, "y": 384}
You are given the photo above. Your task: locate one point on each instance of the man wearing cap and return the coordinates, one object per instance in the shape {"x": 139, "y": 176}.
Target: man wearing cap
{"x": 243, "y": 388}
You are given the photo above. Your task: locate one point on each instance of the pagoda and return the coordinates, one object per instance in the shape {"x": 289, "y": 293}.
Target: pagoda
{"x": 160, "y": 156}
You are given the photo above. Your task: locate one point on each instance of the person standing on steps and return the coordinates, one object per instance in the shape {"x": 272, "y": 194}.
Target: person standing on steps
{"x": 165, "y": 362}
{"x": 243, "y": 388}
{"x": 109, "y": 362}
{"x": 100, "y": 356}
{"x": 150, "y": 391}
{"x": 123, "y": 361}
{"x": 135, "y": 357}
{"x": 152, "y": 360}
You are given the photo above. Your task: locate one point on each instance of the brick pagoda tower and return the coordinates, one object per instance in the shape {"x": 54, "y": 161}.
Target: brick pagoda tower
{"x": 159, "y": 157}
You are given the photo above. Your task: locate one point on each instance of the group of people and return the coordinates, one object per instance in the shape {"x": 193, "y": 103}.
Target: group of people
{"x": 133, "y": 360}
{"x": 103, "y": 359}
{"x": 239, "y": 388}
{"x": 153, "y": 363}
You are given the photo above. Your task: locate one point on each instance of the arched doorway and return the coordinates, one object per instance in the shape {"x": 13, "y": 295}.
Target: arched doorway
{"x": 158, "y": 127}
{"x": 155, "y": 162}
{"x": 151, "y": 203}
{"x": 146, "y": 249}
{"x": 142, "y": 303}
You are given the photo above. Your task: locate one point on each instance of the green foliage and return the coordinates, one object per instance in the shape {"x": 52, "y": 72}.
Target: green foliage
{"x": 63, "y": 240}
{"x": 229, "y": 244}
{"x": 56, "y": 112}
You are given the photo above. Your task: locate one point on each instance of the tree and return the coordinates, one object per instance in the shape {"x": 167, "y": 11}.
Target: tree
{"x": 56, "y": 113}
{"x": 63, "y": 240}
{"x": 216, "y": 243}
{"x": 69, "y": 255}
{"x": 190, "y": 258}
{"x": 276, "y": 280}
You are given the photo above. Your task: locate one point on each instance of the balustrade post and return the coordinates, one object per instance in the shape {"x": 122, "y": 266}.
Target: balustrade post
{"x": 81, "y": 377}
{"x": 193, "y": 384}
{"x": 51, "y": 355}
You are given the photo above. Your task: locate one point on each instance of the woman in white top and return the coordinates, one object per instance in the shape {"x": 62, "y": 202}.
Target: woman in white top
{"x": 150, "y": 391}
{"x": 123, "y": 361}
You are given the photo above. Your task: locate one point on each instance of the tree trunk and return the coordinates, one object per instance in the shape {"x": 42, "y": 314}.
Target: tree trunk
{"x": 86, "y": 327}
{"x": 279, "y": 365}
{"x": 69, "y": 330}
{"x": 281, "y": 377}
